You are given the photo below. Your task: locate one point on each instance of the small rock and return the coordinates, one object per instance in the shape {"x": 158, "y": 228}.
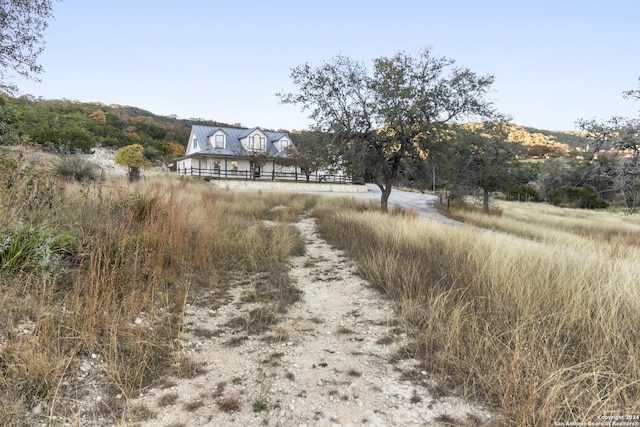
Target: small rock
{"x": 320, "y": 382}
{"x": 86, "y": 366}
{"x": 37, "y": 410}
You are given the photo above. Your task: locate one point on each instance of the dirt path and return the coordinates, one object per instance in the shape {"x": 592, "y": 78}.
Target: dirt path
{"x": 328, "y": 361}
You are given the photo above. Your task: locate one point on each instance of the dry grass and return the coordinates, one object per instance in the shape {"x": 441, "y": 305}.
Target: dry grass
{"x": 229, "y": 404}
{"x": 542, "y": 332}
{"x": 106, "y": 267}
{"x": 614, "y": 231}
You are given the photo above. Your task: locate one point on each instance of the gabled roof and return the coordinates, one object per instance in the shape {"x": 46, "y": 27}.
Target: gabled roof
{"x": 233, "y": 145}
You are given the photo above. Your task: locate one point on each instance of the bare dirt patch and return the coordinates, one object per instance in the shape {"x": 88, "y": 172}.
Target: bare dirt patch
{"x": 329, "y": 359}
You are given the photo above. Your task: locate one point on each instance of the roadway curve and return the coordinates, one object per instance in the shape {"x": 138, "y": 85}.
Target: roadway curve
{"x": 424, "y": 204}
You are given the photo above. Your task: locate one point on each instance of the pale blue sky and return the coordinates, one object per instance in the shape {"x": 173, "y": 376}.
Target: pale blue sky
{"x": 554, "y": 61}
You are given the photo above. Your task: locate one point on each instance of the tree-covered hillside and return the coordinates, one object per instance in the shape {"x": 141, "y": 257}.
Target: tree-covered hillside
{"x": 538, "y": 143}
{"x": 71, "y": 126}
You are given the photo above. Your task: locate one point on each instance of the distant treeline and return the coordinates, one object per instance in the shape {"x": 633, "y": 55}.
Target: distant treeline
{"x": 71, "y": 126}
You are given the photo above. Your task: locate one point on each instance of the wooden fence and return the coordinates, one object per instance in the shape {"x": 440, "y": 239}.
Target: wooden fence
{"x": 219, "y": 173}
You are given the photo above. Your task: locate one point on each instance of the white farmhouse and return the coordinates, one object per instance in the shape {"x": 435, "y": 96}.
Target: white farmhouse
{"x": 226, "y": 152}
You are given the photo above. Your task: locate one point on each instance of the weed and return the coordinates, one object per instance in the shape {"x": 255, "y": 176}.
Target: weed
{"x": 167, "y": 399}
{"x": 259, "y": 406}
{"x": 219, "y": 389}
{"x": 386, "y": 340}
{"x": 274, "y": 359}
{"x": 229, "y": 404}
{"x": 204, "y": 333}
{"x": 187, "y": 368}
{"x": 193, "y": 406}
{"x": 448, "y": 420}
{"x": 236, "y": 341}
{"x": 139, "y": 413}
{"x": 354, "y": 373}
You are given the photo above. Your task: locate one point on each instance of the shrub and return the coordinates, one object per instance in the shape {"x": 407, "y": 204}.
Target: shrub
{"x": 132, "y": 156}
{"x": 139, "y": 205}
{"x": 578, "y": 197}
{"x": 75, "y": 168}
{"x": 523, "y": 192}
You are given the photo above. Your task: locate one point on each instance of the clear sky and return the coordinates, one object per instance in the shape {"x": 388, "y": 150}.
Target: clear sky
{"x": 555, "y": 61}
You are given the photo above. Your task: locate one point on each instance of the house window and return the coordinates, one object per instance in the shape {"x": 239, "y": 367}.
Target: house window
{"x": 216, "y": 166}
{"x": 195, "y": 142}
{"x": 234, "y": 165}
{"x": 219, "y": 141}
{"x": 284, "y": 143}
{"x": 258, "y": 143}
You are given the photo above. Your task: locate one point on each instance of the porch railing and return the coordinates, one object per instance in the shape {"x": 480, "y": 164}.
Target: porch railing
{"x": 219, "y": 173}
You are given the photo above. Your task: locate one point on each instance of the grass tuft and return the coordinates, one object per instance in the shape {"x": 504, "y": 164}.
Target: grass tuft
{"x": 229, "y": 404}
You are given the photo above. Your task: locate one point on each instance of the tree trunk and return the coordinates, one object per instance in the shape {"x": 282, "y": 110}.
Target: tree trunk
{"x": 134, "y": 174}
{"x": 384, "y": 198}
{"x": 485, "y": 201}
{"x": 634, "y": 201}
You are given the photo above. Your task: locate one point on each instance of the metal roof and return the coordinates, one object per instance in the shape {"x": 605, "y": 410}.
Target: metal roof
{"x": 233, "y": 144}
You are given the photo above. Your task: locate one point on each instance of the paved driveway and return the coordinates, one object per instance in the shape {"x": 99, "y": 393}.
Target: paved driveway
{"x": 424, "y": 204}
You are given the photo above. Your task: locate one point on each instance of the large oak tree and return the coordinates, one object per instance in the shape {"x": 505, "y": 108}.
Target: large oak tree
{"x": 386, "y": 120}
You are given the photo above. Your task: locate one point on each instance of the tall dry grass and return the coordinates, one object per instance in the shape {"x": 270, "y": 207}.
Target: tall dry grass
{"x": 105, "y": 271}
{"x": 613, "y": 230}
{"x": 540, "y": 332}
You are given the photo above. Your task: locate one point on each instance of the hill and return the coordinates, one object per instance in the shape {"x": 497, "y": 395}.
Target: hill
{"x": 73, "y": 126}
{"x": 537, "y": 143}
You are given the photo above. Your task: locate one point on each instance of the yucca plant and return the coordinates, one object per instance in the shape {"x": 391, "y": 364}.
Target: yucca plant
{"x": 28, "y": 247}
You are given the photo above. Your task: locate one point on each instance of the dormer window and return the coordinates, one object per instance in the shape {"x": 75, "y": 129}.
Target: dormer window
{"x": 257, "y": 143}
{"x": 195, "y": 142}
{"x": 284, "y": 144}
{"x": 219, "y": 141}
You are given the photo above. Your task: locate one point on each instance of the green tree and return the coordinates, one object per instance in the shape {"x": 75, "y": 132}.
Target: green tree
{"x": 621, "y": 135}
{"x": 22, "y": 27}
{"x": 485, "y": 161}
{"x": 10, "y": 130}
{"x": 384, "y": 122}
{"x": 312, "y": 152}
{"x": 578, "y": 197}
{"x": 132, "y": 157}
